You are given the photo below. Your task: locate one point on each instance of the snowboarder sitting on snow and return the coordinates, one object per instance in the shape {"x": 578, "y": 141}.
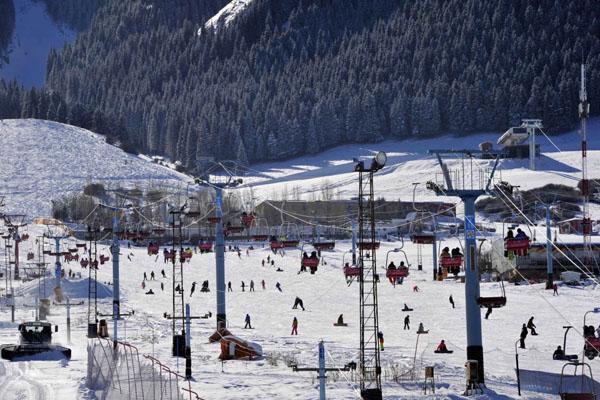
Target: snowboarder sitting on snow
{"x": 150, "y": 292}
{"x": 406, "y": 308}
{"x": 421, "y": 328}
{"x": 442, "y": 348}
{"x": 559, "y": 354}
{"x": 204, "y": 288}
{"x": 298, "y": 302}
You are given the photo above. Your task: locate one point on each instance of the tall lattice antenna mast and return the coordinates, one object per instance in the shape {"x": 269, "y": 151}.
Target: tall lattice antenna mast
{"x": 584, "y": 109}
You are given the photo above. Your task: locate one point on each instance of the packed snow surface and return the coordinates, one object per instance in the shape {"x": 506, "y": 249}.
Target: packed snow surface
{"x": 325, "y": 296}
{"x": 34, "y": 36}
{"x": 408, "y": 161}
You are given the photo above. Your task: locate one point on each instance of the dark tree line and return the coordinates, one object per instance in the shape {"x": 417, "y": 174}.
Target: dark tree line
{"x": 293, "y": 76}
{"x": 7, "y": 26}
{"x": 76, "y": 14}
{"x": 18, "y": 102}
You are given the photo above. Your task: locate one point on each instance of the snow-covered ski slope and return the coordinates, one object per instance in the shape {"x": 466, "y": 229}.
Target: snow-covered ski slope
{"x": 45, "y": 160}
{"x": 409, "y": 162}
{"x": 325, "y": 296}
{"x": 34, "y": 36}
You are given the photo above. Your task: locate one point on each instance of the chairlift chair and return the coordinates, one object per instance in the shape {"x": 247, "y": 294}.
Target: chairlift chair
{"x": 308, "y": 262}
{"x": 583, "y": 393}
{"x": 493, "y": 301}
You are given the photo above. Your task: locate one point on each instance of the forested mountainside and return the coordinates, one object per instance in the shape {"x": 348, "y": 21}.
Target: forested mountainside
{"x": 7, "y": 25}
{"x": 76, "y": 14}
{"x": 287, "y": 77}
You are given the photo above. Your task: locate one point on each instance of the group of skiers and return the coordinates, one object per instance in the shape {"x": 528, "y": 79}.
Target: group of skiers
{"x": 525, "y": 331}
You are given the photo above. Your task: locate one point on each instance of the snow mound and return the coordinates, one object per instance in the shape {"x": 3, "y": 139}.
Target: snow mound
{"x": 71, "y": 288}
{"x": 44, "y": 160}
{"x": 225, "y": 15}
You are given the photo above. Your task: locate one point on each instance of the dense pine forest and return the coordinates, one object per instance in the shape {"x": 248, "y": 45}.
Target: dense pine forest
{"x": 7, "y": 25}
{"x": 287, "y": 77}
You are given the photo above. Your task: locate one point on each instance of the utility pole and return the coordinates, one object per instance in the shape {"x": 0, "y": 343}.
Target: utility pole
{"x": 468, "y": 195}
{"x": 322, "y": 370}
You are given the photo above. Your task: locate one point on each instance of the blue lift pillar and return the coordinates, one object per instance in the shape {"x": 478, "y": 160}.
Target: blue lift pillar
{"x": 469, "y": 192}
{"x": 550, "y": 267}
{"x": 220, "y": 260}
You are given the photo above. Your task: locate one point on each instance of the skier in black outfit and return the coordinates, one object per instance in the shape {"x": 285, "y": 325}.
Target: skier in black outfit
{"x": 152, "y": 275}
{"x": 407, "y": 323}
{"x": 531, "y": 326}
{"x": 162, "y": 271}
{"x": 524, "y": 333}
{"x": 298, "y": 302}
{"x": 247, "y": 326}
{"x": 229, "y": 289}
{"x": 193, "y": 289}
{"x": 451, "y": 300}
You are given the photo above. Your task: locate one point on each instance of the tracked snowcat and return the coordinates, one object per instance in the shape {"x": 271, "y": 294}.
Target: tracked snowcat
{"x": 35, "y": 342}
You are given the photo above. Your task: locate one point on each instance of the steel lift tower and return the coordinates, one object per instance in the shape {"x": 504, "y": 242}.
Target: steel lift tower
{"x": 584, "y": 110}
{"x": 468, "y": 187}
{"x": 370, "y": 366}
{"x": 14, "y": 222}
{"x": 220, "y": 183}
